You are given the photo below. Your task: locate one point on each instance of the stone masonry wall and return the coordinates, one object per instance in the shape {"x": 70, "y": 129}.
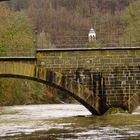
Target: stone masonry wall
{"x": 114, "y": 72}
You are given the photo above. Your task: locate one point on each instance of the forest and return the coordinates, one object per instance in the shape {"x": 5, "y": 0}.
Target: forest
{"x": 59, "y": 24}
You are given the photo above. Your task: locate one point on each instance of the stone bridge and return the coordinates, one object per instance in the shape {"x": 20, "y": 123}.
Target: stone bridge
{"x": 99, "y": 78}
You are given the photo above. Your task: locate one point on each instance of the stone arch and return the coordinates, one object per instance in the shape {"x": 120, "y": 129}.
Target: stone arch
{"x": 43, "y": 75}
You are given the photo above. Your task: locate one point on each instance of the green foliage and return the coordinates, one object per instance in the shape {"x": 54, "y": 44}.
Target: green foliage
{"x": 19, "y": 91}
{"x": 16, "y": 34}
{"x": 15, "y": 31}
{"x": 132, "y": 21}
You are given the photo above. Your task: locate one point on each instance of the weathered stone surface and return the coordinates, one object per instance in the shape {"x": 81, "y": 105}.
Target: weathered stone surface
{"x": 118, "y": 67}
{"x": 41, "y": 74}
{"x": 97, "y": 78}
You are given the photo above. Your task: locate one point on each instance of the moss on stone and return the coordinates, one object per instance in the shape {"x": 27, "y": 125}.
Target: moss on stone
{"x": 115, "y": 111}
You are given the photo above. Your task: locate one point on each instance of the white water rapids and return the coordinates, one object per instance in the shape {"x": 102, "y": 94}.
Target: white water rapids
{"x": 23, "y": 121}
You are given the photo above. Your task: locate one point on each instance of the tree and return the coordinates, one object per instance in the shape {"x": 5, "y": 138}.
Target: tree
{"x": 131, "y": 19}
{"x": 15, "y": 31}
{"x": 16, "y": 34}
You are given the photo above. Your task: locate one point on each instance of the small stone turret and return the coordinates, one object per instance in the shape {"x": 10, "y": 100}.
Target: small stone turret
{"x": 92, "y": 35}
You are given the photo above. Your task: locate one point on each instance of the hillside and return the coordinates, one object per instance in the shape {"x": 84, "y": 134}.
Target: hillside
{"x": 67, "y": 22}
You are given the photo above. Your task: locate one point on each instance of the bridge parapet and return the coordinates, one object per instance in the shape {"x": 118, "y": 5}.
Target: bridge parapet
{"x": 18, "y": 53}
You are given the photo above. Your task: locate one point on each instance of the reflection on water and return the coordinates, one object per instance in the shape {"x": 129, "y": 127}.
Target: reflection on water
{"x": 69, "y": 122}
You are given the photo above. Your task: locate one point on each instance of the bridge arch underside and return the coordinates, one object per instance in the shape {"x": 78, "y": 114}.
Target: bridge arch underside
{"x": 58, "y": 81}
{"x": 97, "y": 103}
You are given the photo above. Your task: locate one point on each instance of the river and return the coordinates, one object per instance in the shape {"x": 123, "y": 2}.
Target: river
{"x": 66, "y": 122}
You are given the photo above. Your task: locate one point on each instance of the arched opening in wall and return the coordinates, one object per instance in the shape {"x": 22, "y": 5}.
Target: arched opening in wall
{"x": 15, "y": 91}
{"x": 17, "y": 121}
{"x": 49, "y": 81}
